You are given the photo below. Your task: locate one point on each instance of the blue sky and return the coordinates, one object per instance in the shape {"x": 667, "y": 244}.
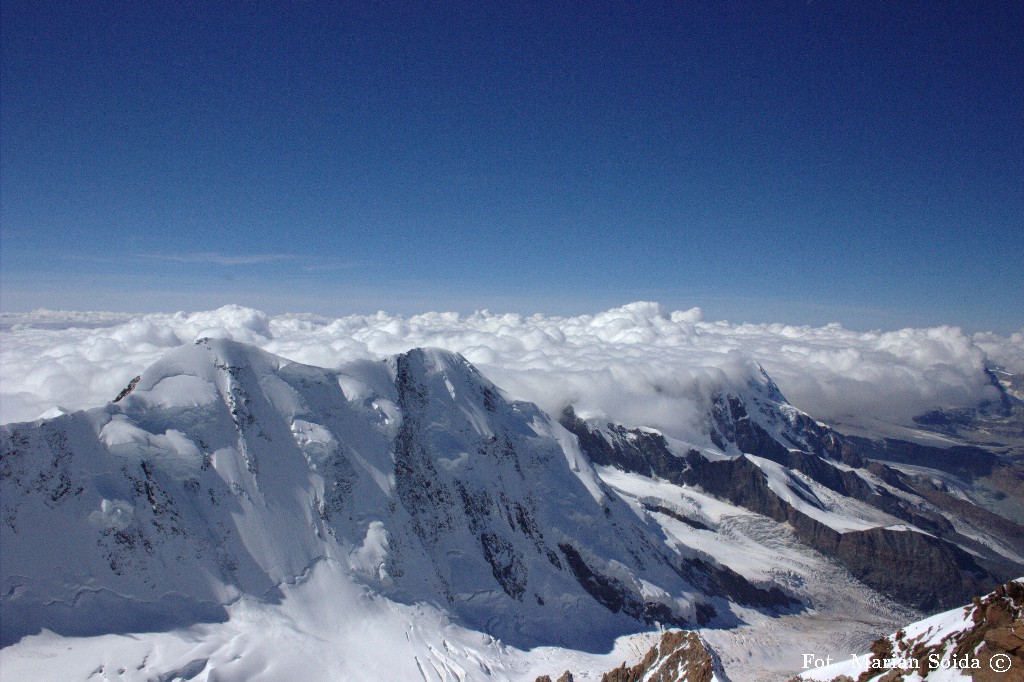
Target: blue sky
{"x": 804, "y": 162}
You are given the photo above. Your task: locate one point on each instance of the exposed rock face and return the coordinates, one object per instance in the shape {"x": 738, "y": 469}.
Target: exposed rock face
{"x": 127, "y": 389}
{"x": 637, "y": 450}
{"x": 913, "y": 568}
{"x": 680, "y": 656}
{"x": 724, "y": 582}
{"x": 999, "y": 629}
{"x": 757, "y": 419}
{"x": 962, "y": 460}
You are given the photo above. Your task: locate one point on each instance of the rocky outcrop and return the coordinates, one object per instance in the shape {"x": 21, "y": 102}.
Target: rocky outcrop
{"x": 919, "y": 570}
{"x": 910, "y": 567}
{"x": 962, "y": 460}
{"x": 617, "y": 597}
{"x": 998, "y": 631}
{"x": 987, "y": 644}
{"x": 722, "y": 581}
{"x": 640, "y": 451}
{"x": 127, "y": 389}
{"x": 680, "y": 656}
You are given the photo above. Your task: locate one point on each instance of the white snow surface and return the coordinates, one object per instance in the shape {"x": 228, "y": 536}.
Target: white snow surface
{"x": 327, "y": 628}
{"x": 637, "y": 364}
{"x": 267, "y": 463}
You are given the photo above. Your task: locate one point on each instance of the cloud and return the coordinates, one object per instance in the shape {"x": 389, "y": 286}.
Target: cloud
{"x": 62, "y": 319}
{"x": 1007, "y": 353}
{"x": 211, "y": 258}
{"x": 638, "y": 363}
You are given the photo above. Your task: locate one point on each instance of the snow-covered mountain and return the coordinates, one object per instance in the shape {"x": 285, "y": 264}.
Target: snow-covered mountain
{"x": 917, "y": 543}
{"x": 230, "y": 500}
{"x": 225, "y": 471}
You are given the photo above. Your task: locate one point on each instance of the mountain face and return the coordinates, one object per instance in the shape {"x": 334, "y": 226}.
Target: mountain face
{"x": 679, "y": 656}
{"x": 225, "y": 477}
{"x": 900, "y": 535}
{"x": 225, "y": 471}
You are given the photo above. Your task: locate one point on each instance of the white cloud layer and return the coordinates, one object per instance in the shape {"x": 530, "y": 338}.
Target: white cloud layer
{"x": 638, "y": 364}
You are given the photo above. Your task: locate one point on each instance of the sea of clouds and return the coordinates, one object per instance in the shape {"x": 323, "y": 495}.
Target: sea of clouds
{"x": 638, "y": 364}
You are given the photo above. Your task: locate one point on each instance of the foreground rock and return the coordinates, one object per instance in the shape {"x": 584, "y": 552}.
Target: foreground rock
{"x": 983, "y": 641}
{"x": 680, "y": 656}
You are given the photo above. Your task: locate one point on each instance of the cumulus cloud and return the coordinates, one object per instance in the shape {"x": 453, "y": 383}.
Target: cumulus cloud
{"x": 1007, "y": 353}
{"x": 638, "y": 364}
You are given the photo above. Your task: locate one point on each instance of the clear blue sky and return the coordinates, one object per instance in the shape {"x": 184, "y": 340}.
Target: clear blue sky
{"x": 806, "y": 161}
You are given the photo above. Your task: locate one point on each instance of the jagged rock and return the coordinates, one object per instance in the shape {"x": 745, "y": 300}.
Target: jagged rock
{"x": 127, "y": 389}
{"x": 910, "y": 567}
{"x": 564, "y": 677}
{"x": 680, "y": 656}
{"x": 962, "y": 460}
{"x": 638, "y": 450}
{"x": 982, "y": 641}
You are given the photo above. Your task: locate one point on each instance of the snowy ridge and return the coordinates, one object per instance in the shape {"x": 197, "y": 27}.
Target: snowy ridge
{"x": 866, "y": 516}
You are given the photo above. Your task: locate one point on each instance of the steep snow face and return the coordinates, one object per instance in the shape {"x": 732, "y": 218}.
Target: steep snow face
{"x": 156, "y": 510}
{"x": 227, "y": 472}
{"x": 512, "y": 518}
{"x": 326, "y": 628}
{"x": 752, "y": 416}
